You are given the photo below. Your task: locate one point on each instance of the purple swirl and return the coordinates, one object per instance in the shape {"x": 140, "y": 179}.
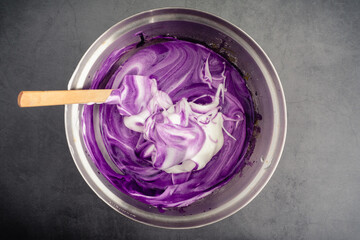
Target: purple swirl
{"x": 181, "y": 69}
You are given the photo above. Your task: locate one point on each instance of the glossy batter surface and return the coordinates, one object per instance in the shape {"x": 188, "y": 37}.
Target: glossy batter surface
{"x": 177, "y": 128}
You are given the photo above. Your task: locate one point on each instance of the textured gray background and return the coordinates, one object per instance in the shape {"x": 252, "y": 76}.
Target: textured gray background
{"x": 314, "y": 194}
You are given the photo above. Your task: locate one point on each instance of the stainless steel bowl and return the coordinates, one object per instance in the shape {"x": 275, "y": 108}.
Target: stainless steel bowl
{"x": 263, "y": 82}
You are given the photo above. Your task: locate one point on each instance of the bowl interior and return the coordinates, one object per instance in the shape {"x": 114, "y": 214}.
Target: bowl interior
{"x": 262, "y": 81}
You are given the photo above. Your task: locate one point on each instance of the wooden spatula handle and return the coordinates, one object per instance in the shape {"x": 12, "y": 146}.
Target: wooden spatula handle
{"x": 61, "y": 97}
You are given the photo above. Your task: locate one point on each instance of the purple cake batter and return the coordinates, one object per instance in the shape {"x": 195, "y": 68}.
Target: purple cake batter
{"x": 177, "y": 127}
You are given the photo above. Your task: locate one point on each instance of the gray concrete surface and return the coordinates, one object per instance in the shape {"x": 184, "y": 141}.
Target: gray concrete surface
{"x": 314, "y": 194}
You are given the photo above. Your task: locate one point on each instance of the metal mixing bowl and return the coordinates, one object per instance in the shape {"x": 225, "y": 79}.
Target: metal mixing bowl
{"x": 263, "y": 82}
